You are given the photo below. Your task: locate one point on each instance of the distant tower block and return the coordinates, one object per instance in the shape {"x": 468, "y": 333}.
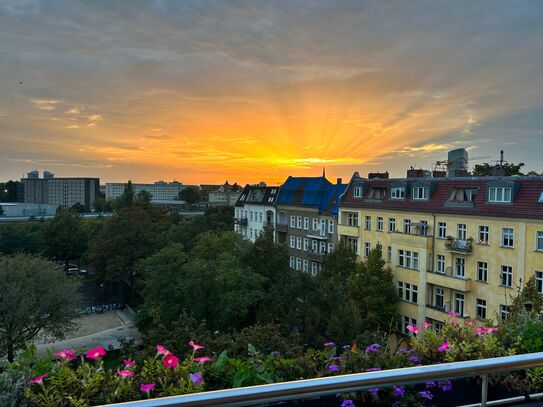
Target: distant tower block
{"x": 458, "y": 162}
{"x": 48, "y": 175}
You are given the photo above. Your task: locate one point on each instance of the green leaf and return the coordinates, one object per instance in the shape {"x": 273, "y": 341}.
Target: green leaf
{"x": 251, "y": 349}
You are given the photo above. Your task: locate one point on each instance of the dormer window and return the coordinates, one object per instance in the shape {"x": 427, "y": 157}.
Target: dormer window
{"x": 420, "y": 193}
{"x": 357, "y": 192}
{"x": 462, "y": 195}
{"x": 376, "y": 193}
{"x": 397, "y": 193}
{"x": 499, "y": 194}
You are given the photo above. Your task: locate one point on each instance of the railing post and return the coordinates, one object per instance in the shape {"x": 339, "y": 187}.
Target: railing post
{"x": 484, "y": 389}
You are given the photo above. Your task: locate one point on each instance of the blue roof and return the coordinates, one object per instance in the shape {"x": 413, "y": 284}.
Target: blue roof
{"x": 316, "y": 192}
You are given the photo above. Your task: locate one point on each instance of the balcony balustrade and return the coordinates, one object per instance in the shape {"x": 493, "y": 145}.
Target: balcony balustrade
{"x": 448, "y": 280}
{"x": 281, "y": 227}
{"x": 348, "y": 230}
{"x": 458, "y": 245}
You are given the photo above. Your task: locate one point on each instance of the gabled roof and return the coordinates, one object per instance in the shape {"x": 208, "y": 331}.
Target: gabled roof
{"x": 525, "y": 203}
{"x": 315, "y": 192}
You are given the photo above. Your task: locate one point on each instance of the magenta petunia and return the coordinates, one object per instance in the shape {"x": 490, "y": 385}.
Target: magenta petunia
{"x": 170, "y": 361}
{"x": 161, "y": 350}
{"x": 426, "y": 324}
{"x": 443, "y": 347}
{"x": 202, "y": 359}
{"x": 39, "y": 379}
{"x": 146, "y": 388}
{"x": 129, "y": 363}
{"x": 95, "y": 353}
{"x": 412, "y": 328}
{"x": 195, "y": 346}
{"x": 67, "y": 354}
{"x": 125, "y": 373}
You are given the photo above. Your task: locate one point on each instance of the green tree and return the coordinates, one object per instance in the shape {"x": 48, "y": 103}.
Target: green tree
{"x": 64, "y": 237}
{"x": 36, "y": 298}
{"x": 191, "y": 195}
{"x": 8, "y": 191}
{"x": 486, "y": 169}
{"x": 18, "y": 237}
{"x": 78, "y": 207}
{"x": 126, "y": 200}
{"x": 527, "y": 302}
{"x": 143, "y": 198}
{"x": 99, "y": 205}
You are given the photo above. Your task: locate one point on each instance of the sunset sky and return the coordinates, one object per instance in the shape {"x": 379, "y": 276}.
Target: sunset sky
{"x": 204, "y": 91}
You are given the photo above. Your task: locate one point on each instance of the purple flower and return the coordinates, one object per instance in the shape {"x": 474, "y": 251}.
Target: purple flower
{"x": 401, "y": 350}
{"x": 426, "y": 395}
{"x": 345, "y": 347}
{"x": 373, "y": 348}
{"x": 196, "y": 378}
{"x": 430, "y": 385}
{"x": 399, "y": 391}
{"x": 414, "y": 358}
{"x": 329, "y": 344}
{"x": 374, "y": 390}
{"x": 373, "y": 369}
{"x": 276, "y": 353}
{"x": 347, "y": 403}
{"x": 445, "y": 385}
{"x": 333, "y": 368}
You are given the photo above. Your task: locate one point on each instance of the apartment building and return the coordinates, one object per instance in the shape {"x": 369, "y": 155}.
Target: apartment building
{"x": 160, "y": 190}
{"x": 254, "y": 211}
{"x": 461, "y": 245}
{"x": 226, "y": 195}
{"x": 306, "y": 220}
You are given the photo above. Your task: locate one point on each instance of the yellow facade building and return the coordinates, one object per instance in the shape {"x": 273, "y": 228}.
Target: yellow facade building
{"x": 455, "y": 245}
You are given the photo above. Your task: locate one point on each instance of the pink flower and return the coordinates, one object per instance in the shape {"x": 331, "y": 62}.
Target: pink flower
{"x": 202, "y": 359}
{"x": 129, "y": 363}
{"x": 471, "y": 323}
{"x": 95, "y": 353}
{"x": 170, "y": 361}
{"x": 39, "y": 379}
{"x": 412, "y": 328}
{"x": 67, "y": 354}
{"x": 125, "y": 373}
{"x": 161, "y": 350}
{"x": 480, "y": 331}
{"x": 426, "y": 324}
{"x": 451, "y": 314}
{"x": 488, "y": 330}
{"x": 484, "y": 330}
{"x": 444, "y": 346}
{"x": 146, "y": 388}
{"x": 195, "y": 346}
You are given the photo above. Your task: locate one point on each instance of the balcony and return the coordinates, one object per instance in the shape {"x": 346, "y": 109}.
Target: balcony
{"x": 315, "y": 256}
{"x": 412, "y": 240}
{"x": 324, "y": 386}
{"x": 436, "y": 313}
{"x": 459, "y": 246}
{"x": 347, "y": 230}
{"x": 240, "y": 221}
{"x": 268, "y": 226}
{"x": 317, "y": 234}
{"x": 281, "y": 227}
{"x": 447, "y": 280}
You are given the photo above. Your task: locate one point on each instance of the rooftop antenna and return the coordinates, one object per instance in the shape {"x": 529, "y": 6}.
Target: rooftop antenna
{"x": 501, "y": 158}
{"x": 323, "y": 172}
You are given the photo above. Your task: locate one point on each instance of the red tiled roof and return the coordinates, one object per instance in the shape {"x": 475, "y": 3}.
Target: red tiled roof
{"x": 524, "y": 205}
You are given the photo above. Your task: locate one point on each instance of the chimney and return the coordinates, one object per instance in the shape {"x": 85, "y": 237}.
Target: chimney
{"x": 413, "y": 173}
{"x": 339, "y": 181}
{"x": 381, "y": 175}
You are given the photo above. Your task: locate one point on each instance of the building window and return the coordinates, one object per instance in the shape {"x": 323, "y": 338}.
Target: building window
{"x": 440, "y": 298}
{"x": 408, "y": 292}
{"x": 299, "y": 222}
{"x": 407, "y": 226}
{"x": 438, "y": 327}
{"x": 423, "y": 228}
{"x": 507, "y": 276}
{"x": 459, "y": 304}
{"x": 314, "y": 267}
{"x": 292, "y": 242}
{"x": 397, "y": 193}
{"x": 331, "y": 226}
{"x": 379, "y": 223}
{"x": 330, "y": 247}
{"x": 315, "y": 224}
{"x": 299, "y": 243}
{"x": 408, "y": 259}
{"x": 314, "y": 246}
{"x": 392, "y": 225}
{"x": 420, "y": 193}
{"x": 357, "y": 192}
{"x": 293, "y": 221}
{"x": 539, "y": 281}
{"x": 539, "y": 241}
{"x": 442, "y": 230}
{"x": 389, "y": 254}
{"x": 400, "y": 289}
{"x": 260, "y": 217}
{"x": 482, "y": 271}
{"x": 461, "y": 231}
{"x": 440, "y": 263}
{"x": 504, "y": 312}
{"x": 305, "y": 266}
{"x": 407, "y": 321}
{"x": 481, "y": 308}
{"x": 323, "y": 248}
{"x": 460, "y": 267}
{"x": 306, "y": 223}
{"x": 306, "y": 244}
{"x": 352, "y": 244}
{"x": 323, "y": 227}
{"x": 484, "y": 233}
{"x": 291, "y": 262}
{"x": 367, "y": 224}
{"x": 508, "y": 237}
{"x": 499, "y": 194}
{"x": 352, "y": 219}
{"x": 367, "y": 249}
{"x": 298, "y": 263}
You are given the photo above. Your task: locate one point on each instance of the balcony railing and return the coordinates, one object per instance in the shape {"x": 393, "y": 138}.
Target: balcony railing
{"x": 449, "y": 280}
{"x": 458, "y": 245}
{"x": 281, "y": 227}
{"x": 317, "y": 234}
{"x": 271, "y": 393}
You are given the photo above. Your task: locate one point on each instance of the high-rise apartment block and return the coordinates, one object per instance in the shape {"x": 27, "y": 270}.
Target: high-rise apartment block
{"x": 159, "y": 190}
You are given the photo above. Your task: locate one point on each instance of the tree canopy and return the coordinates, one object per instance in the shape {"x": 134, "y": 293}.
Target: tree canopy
{"x": 191, "y": 195}
{"x": 486, "y": 169}
{"x": 36, "y": 298}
